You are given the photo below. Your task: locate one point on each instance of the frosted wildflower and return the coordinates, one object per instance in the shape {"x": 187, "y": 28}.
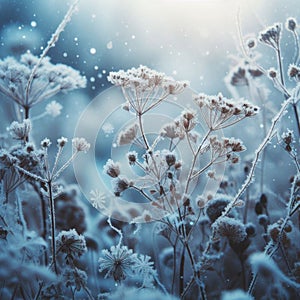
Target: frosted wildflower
{"x": 45, "y": 143}
{"x": 71, "y": 243}
{"x": 288, "y": 138}
{"x": 20, "y": 131}
{"x": 172, "y": 131}
{"x": 170, "y": 158}
{"x": 120, "y": 185}
{"x": 112, "y": 168}
{"x": 48, "y": 80}
{"x": 291, "y": 24}
{"x": 128, "y": 135}
{"x": 215, "y": 207}
{"x": 219, "y": 112}
{"x": 61, "y": 142}
{"x": 272, "y": 73}
{"x": 251, "y": 43}
{"x": 75, "y": 278}
{"x": 238, "y": 77}
{"x": 226, "y": 148}
{"x": 80, "y": 144}
{"x": 132, "y": 157}
{"x": 231, "y": 228}
{"x": 294, "y": 72}
{"x": 145, "y": 88}
{"x": 187, "y": 120}
{"x": 173, "y": 87}
{"x": 53, "y": 109}
{"x": 118, "y": 262}
{"x": 271, "y": 35}
{"x": 236, "y": 295}
{"x": 143, "y": 268}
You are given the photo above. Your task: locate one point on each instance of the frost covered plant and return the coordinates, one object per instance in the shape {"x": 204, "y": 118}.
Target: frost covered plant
{"x": 20, "y": 131}
{"x": 48, "y": 80}
{"x": 145, "y": 88}
{"x": 117, "y": 262}
{"x": 220, "y": 112}
{"x": 230, "y": 228}
{"x": 71, "y": 243}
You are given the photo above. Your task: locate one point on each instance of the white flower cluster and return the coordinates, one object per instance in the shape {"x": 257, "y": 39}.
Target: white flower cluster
{"x": 48, "y": 80}
{"x": 144, "y": 88}
{"x": 220, "y": 112}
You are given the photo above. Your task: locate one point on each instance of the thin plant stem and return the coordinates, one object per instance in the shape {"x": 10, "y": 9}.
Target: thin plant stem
{"x": 52, "y": 223}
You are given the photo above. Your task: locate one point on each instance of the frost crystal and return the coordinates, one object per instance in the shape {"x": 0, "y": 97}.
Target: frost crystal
{"x": 53, "y": 109}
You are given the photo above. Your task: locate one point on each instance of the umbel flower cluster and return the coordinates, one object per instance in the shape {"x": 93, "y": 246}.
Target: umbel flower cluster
{"x": 48, "y": 79}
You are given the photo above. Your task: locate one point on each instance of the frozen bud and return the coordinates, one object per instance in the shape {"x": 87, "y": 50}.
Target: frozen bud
{"x": 188, "y": 115}
{"x": 251, "y": 43}
{"x": 53, "y": 109}
{"x": 288, "y": 227}
{"x": 178, "y": 165}
{"x": 120, "y": 185}
{"x": 263, "y": 200}
{"x": 29, "y": 147}
{"x": 62, "y": 142}
{"x": 20, "y": 131}
{"x": 132, "y": 157}
{"x": 200, "y": 202}
{"x": 250, "y": 229}
{"x": 288, "y": 137}
{"x": 126, "y": 106}
{"x": 272, "y": 73}
{"x": 291, "y": 24}
{"x": 45, "y": 143}
{"x": 263, "y": 219}
{"x": 170, "y": 159}
{"x": 80, "y": 144}
{"x": 293, "y": 71}
{"x": 273, "y": 231}
{"x": 112, "y": 169}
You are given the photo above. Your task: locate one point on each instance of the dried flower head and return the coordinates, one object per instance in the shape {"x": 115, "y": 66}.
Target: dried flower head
{"x": 118, "y": 262}
{"x": 132, "y": 157}
{"x": 251, "y": 43}
{"x": 71, "y": 243}
{"x": 145, "y": 88}
{"x": 48, "y": 80}
{"x": 45, "y": 143}
{"x": 112, "y": 168}
{"x": 80, "y": 144}
{"x": 219, "y": 112}
{"x": 231, "y": 228}
{"x": 271, "y": 36}
{"x": 294, "y": 72}
{"x": 120, "y": 185}
{"x": 128, "y": 135}
{"x": 272, "y": 73}
{"x": 20, "y": 131}
{"x": 291, "y": 24}
{"x": 172, "y": 131}
{"x": 215, "y": 207}
{"x": 61, "y": 142}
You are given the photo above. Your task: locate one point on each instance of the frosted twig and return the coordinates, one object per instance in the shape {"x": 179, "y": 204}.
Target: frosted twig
{"x": 51, "y": 43}
{"x": 258, "y": 152}
{"x": 116, "y": 230}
